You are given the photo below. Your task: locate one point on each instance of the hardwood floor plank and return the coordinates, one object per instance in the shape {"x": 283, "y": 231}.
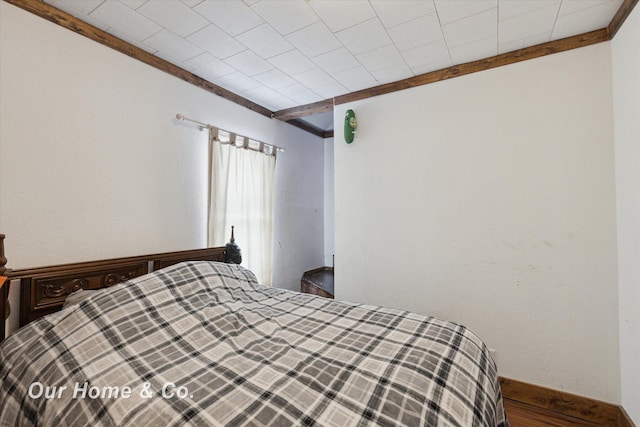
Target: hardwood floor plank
{"x": 524, "y": 415}
{"x": 561, "y": 402}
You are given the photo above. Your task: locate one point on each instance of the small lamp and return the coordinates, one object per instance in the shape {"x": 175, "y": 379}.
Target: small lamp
{"x": 232, "y": 252}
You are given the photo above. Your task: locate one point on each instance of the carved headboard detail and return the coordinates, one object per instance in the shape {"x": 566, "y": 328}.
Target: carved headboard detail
{"x": 3, "y": 259}
{"x": 45, "y": 292}
{"x": 44, "y": 289}
{"x": 4, "y": 290}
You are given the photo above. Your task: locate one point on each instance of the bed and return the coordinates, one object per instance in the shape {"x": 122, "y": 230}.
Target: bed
{"x": 202, "y": 343}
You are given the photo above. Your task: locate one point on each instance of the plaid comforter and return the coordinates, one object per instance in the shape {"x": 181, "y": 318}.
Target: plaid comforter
{"x": 203, "y": 344}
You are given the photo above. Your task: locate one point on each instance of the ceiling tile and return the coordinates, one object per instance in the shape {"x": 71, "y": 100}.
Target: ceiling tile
{"x": 267, "y": 97}
{"x": 423, "y": 30}
{"x": 314, "y": 40}
{"x": 175, "y": 16}
{"x": 336, "y": 60}
{"x": 536, "y": 39}
{"x": 81, "y": 10}
{"x": 99, "y": 24}
{"x": 510, "y": 46}
{"x": 510, "y": 8}
{"x": 340, "y": 14}
{"x": 384, "y": 57}
{"x": 215, "y": 41}
{"x": 192, "y": 3}
{"x": 234, "y": 17}
{"x": 395, "y": 12}
{"x": 571, "y": 6}
{"x": 313, "y": 78}
{"x": 237, "y": 82}
{"x": 210, "y": 66}
{"x": 173, "y": 46}
{"x": 365, "y": 36}
{"x": 249, "y": 63}
{"x": 133, "y": 4}
{"x": 75, "y": 7}
{"x": 392, "y": 74}
{"x": 175, "y": 61}
{"x": 584, "y": 20}
{"x": 432, "y": 67}
{"x": 475, "y": 50}
{"x": 280, "y": 103}
{"x": 426, "y": 54}
{"x": 528, "y": 24}
{"x": 467, "y": 30}
{"x": 356, "y": 78}
{"x": 522, "y": 43}
{"x": 129, "y": 40}
{"x": 275, "y": 79}
{"x": 331, "y": 90}
{"x": 292, "y": 62}
{"x": 454, "y": 10}
{"x": 125, "y": 20}
{"x": 265, "y": 41}
{"x": 286, "y": 16}
{"x": 300, "y": 94}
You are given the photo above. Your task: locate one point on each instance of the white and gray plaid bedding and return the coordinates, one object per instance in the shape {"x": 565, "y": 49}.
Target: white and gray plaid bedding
{"x": 203, "y": 344}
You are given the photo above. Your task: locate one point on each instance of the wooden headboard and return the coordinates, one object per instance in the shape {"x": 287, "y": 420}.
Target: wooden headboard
{"x": 4, "y": 290}
{"x": 43, "y": 290}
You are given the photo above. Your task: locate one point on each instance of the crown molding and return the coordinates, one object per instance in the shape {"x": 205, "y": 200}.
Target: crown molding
{"x": 621, "y": 16}
{"x": 549, "y": 48}
{"x": 304, "y": 110}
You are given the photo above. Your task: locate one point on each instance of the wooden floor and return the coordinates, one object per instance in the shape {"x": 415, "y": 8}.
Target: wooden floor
{"x": 523, "y": 415}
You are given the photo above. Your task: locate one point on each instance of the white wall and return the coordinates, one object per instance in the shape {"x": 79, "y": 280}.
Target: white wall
{"x": 299, "y": 211}
{"x": 489, "y": 200}
{"x": 329, "y": 205}
{"x": 626, "y": 107}
{"x": 93, "y": 165}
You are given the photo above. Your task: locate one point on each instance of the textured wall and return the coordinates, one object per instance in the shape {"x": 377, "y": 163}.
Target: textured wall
{"x": 489, "y": 199}
{"x": 626, "y": 103}
{"x": 93, "y": 165}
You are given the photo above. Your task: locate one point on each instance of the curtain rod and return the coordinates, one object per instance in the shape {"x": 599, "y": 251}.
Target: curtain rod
{"x": 203, "y": 126}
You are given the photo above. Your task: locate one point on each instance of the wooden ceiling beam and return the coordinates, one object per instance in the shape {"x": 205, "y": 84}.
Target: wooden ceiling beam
{"x": 556, "y": 46}
{"x": 527, "y": 53}
{"x": 620, "y": 17}
{"x": 328, "y": 134}
{"x": 304, "y": 110}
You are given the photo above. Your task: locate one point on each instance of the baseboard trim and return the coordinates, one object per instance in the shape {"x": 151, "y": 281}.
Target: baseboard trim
{"x": 565, "y": 403}
{"x": 624, "y": 420}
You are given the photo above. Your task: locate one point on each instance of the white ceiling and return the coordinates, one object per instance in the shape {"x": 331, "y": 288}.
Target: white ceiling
{"x": 286, "y": 53}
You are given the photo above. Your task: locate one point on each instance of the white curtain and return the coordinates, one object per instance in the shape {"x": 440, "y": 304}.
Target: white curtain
{"x": 242, "y": 184}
